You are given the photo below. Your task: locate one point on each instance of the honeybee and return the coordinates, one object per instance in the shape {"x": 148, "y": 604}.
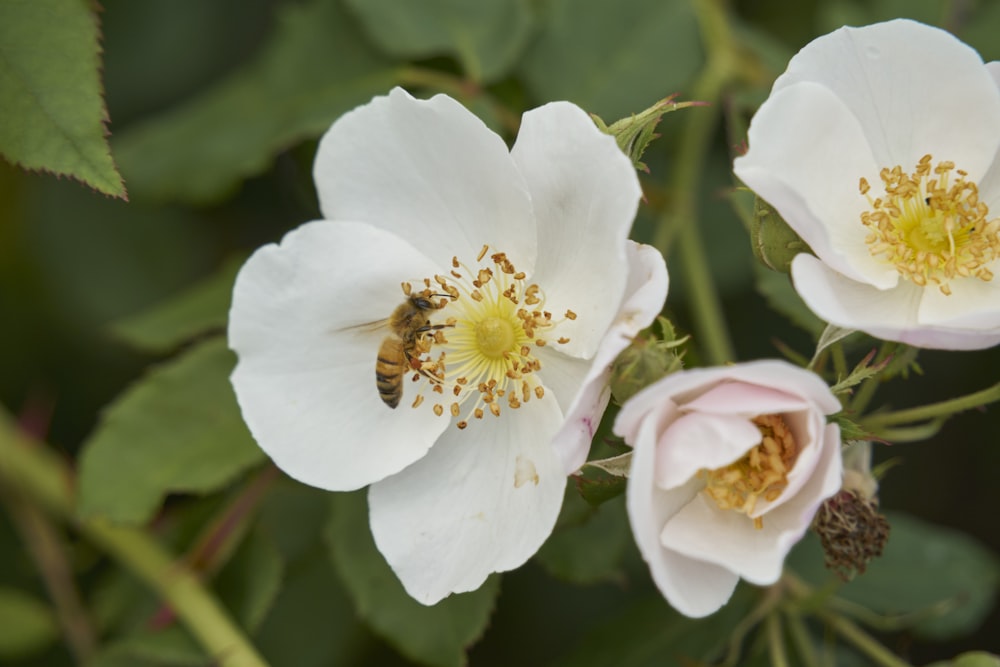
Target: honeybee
{"x": 400, "y": 351}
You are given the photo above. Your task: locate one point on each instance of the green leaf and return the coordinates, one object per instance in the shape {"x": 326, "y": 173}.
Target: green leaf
{"x": 612, "y": 58}
{"x": 199, "y": 309}
{"x": 178, "y": 430}
{"x": 938, "y": 581}
{"x": 26, "y": 624}
{"x": 251, "y": 581}
{"x": 312, "y": 623}
{"x": 53, "y": 114}
{"x": 486, "y": 36}
{"x": 292, "y": 517}
{"x": 777, "y": 290}
{"x": 435, "y": 635}
{"x": 587, "y": 550}
{"x": 314, "y": 69}
{"x": 648, "y": 633}
{"x": 973, "y": 659}
{"x": 167, "y": 647}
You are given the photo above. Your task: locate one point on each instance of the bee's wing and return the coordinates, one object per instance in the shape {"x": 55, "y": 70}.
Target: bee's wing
{"x": 367, "y": 327}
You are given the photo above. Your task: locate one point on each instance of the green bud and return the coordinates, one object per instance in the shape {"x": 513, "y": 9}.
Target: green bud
{"x": 636, "y": 132}
{"x": 645, "y": 361}
{"x": 774, "y": 243}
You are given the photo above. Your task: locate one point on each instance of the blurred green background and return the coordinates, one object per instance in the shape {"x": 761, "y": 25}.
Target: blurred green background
{"x": 215, "y": 108}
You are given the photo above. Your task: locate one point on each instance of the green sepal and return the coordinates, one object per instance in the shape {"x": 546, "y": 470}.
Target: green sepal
{"x": 635, "y": 133}
{"x": 863, "y": 371}
{"x": 600, "y": 481}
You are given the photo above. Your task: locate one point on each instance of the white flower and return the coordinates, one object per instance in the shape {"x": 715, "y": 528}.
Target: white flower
{"x": 530, "y": 290}
{"x": 879, "y": 147}
{"x": 728, "y": 468}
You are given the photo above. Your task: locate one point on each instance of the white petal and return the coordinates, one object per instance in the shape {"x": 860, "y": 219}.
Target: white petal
{"x": 807, "y": 154}
{"x": 483, "y": 500}
{"x": 699, "y": 440}
{"x": 883, "y": 73}
{"x": 582, "y": 393}
{"x": 889, "y": 314}
{"x": 305, "y": 379}
{"x": 645, "y": 293}
{"x": 973, "y": 304}
{"x": 431, "y": 173}
{"x": 993, "y": 68}
{"x": 695, "y": 588}
{"x": 585, "y": 194}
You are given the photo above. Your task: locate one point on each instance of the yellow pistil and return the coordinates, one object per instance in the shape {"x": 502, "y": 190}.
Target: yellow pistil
{"x": 496, "y": 320}
{"x": 930, "y": 225}
{"x": 761, "y": 473}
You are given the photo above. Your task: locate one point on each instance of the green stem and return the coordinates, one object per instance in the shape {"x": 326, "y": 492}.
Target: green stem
{"x": 863, "y": 641}
{"x": 775, "y": 642}
{"x": 681, "y": 218}
{"x": 47, "y": 549}
{"x": 932, "y": 411}
{"x": 44, "y": 479}
{"x": 866, "y": 392}
{"x": 803, "y": 642}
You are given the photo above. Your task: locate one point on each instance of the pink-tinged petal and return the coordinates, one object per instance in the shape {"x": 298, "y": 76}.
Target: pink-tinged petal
{"x": 687, "y": 386}
{"x": 890, "y": 314}
{"x": 695, "y": 588}
{"x": 730, "y": 540}
{"x": 748, "y": 400}
{"x": 430, "y": 172}
{"x": 698, "y": 440}
{"x": 882, "y": 73}
{"x": 483, "y": 500}
{"x": 588, "y": 396}
{"x": 305, "y": 380}
{"x": 644, "y": 410}
{"x": 807, "y": 154}
{"x": 585, "y": 194}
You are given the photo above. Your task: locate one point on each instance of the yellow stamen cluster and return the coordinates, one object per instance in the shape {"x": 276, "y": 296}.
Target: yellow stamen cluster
{"x": 496, "y": 319}
{"x": 930, "y": 225}
{"x": 761, "y": 473}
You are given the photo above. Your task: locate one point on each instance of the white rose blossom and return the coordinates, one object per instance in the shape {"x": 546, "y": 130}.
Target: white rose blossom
{"x": 529, "y": 287}
{"x": 879, "y": 147}
{"x": 729, "y": 465}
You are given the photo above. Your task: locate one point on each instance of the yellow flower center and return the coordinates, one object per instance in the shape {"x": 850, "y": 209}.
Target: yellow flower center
{"x": 761, "y": 473}
{"x": 930, "y": 225}
{"x": 492, "y": 325}
{"x": 494, "y": 336}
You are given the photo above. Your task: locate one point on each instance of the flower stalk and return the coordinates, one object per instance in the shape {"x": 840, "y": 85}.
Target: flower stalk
{"x": 680, "y": 219}
{"x": 44, "y": 479}
{"x": 932, "y": 412}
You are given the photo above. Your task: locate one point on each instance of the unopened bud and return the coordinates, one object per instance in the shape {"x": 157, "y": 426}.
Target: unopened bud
{"x": 645, "y": 361}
